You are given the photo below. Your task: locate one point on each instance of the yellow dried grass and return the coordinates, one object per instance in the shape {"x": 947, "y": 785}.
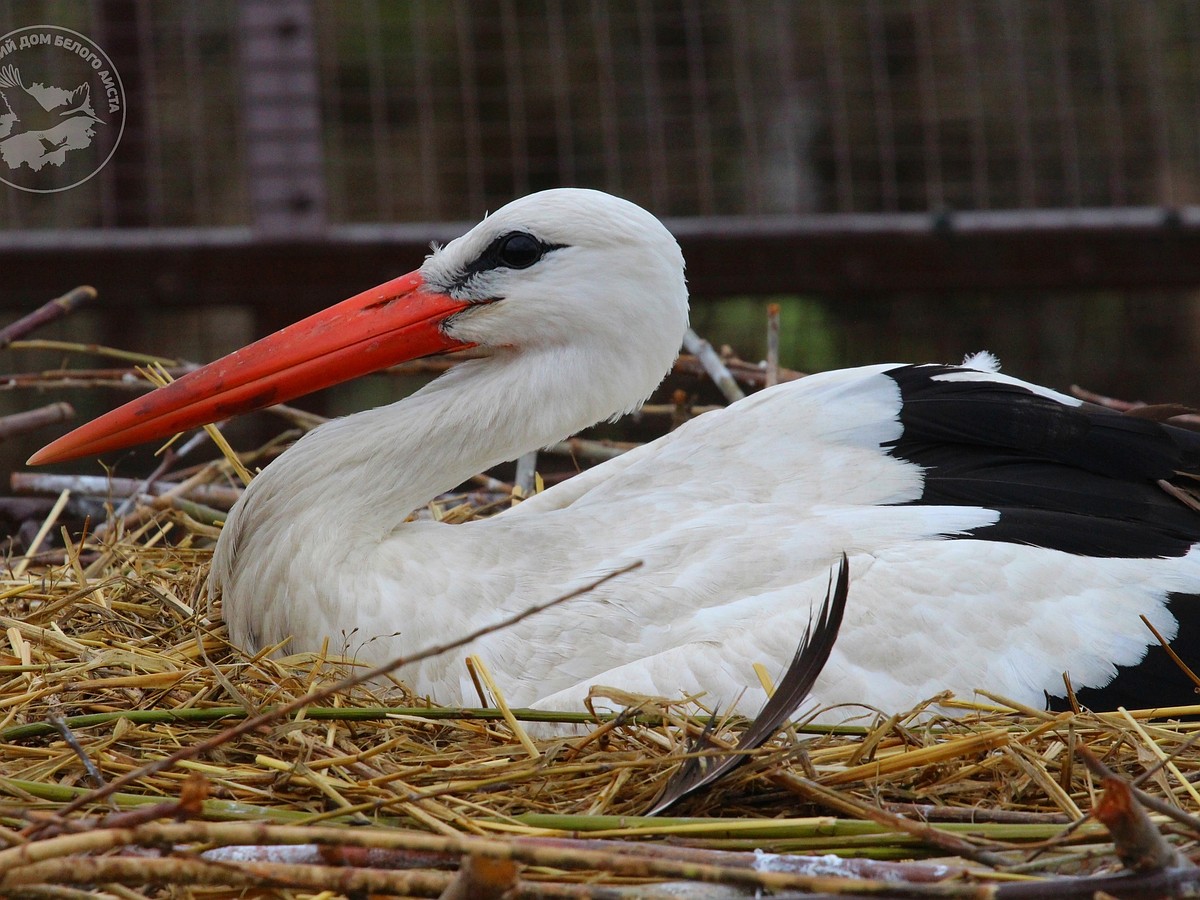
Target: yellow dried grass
{"x": 134, "y": 638}
{"x": 111, "y": 653}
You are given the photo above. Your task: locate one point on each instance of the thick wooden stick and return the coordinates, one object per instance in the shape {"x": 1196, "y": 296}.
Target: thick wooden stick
{"x": 98, "y": 486}
{"x": 717, "y": 370}
{"x": 30, "y": 420}
{"x": 49, "y": 312}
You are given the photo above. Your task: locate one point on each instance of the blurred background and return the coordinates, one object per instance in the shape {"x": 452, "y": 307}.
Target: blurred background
{"x": 910, "y": 179}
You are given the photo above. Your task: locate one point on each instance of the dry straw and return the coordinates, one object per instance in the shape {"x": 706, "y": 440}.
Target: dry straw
{"x": 111, "y": 659}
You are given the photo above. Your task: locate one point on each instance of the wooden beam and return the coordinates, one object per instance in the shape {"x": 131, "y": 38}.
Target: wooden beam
{"x": 831, "y": 255}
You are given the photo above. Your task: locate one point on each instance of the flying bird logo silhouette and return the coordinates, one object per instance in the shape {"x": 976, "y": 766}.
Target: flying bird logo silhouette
{"x": 40, "y": 107}
{"x": 40, "y": 123}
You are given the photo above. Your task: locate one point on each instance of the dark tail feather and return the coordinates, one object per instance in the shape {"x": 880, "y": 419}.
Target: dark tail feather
{"x": 811, "y": 656}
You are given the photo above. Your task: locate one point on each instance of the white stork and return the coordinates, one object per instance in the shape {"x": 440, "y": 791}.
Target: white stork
{"x": 999, "y": 533}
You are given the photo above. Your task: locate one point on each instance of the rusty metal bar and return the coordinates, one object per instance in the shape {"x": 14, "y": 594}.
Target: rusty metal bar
{"x": 469, "y": 96}
{"x": 1156, "y": 94}
{"x": 385, "y": 178}
{"x": 427, "y": 114}
{"x": 560, "y": 83}
{"x": 1068, "y": 124}
{"x": 968, "y": 34}
{"x": 514, "y": 88}
{"x": 608, "y": 96}
{"x": 699, "y": 94}
{"x": 1013, "y": 22}
{"x": 1113, "y": 121}
{"x": 835, "y": 76}
{"x": 282, "y": 116}
{"x": 656, "y": 136}
{"x": 747, "y": 108}
{"x": 882, "y": 105}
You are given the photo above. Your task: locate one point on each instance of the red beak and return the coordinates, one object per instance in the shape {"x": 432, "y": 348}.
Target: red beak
{"x": 389, "y": 324}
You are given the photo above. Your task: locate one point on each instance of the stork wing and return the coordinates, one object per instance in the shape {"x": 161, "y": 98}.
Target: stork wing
{"x": 10, "y": 77}
{"x": 79, "y": 100}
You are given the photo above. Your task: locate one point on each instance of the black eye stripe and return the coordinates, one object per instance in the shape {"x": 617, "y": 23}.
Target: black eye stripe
{"x": 511, "y": 250}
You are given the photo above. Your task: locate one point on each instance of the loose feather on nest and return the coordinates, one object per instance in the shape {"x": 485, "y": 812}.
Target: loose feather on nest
{"x": 811, "y": 655}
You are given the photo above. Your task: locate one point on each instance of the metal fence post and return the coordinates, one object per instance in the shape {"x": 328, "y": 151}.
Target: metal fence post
{"x": 281, "y": 117}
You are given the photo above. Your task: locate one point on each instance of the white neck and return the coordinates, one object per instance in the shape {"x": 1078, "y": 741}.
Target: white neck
{"x": 309, "y": 524}
{"x": 354, "y": 480}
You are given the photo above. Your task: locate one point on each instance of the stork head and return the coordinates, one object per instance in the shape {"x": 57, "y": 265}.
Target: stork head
{"x": 576, "y": 277}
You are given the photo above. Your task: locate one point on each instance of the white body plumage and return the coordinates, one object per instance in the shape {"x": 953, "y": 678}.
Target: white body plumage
{"x": 737, "y": 517}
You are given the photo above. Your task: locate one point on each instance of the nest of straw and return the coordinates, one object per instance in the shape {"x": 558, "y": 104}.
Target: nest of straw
{"x": 112, "y": 660}
{"x": 137, "y": 746}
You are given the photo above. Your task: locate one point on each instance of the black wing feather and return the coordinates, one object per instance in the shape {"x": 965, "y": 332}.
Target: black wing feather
{"x": 1082, "y": 479}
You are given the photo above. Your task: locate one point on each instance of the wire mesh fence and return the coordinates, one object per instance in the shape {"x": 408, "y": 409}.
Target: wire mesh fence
{"x": 877, "y": 156}
{"x": 438, "y": 109}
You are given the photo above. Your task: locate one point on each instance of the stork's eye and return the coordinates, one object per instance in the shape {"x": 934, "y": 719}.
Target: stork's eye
{"x": 519, "y": 250}
{"x": 511, "y": 250}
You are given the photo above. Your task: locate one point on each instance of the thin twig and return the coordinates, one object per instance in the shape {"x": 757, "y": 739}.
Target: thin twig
{"x": 772, "y": 862}
{"x": 1174, "y": 413}
{"x": 596, "y": 451}
{"x": 925, "y": 833}
{"x": 141, "y": 359}
{"x": 169, "y": 458}
{"x": 976, "y": 815}
{"x": 1165, "y": 644}
{"x": 771, "y": 375}
{"x": 216, "y": 496}
{"x": 671, "y": 410}
{"x": 36, "y": 543}
{"x": 67, "y": 735}
{"x": 747, "y": 373}
{"x": 1099, "y": 769}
